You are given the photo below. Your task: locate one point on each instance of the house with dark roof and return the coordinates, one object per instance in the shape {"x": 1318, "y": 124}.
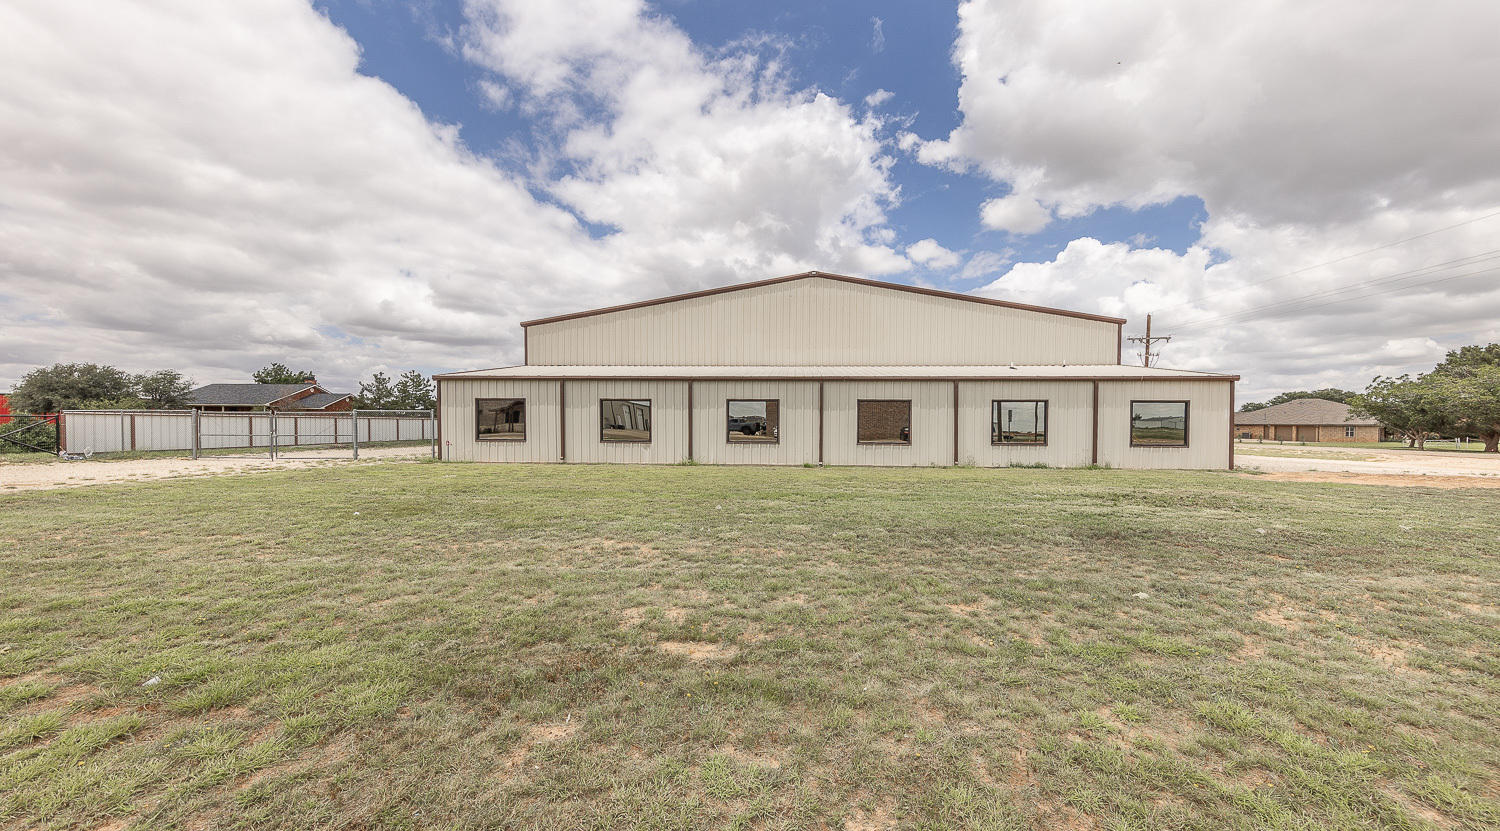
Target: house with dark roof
{"x": 239, "y": 398}
{"x": 1308, "y": 420}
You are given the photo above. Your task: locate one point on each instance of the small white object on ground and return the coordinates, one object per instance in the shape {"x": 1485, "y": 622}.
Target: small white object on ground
{"x": 1260, "y": 530}
{"x": 153, "y": 681}
{"x": 1141, "y": 595}
{"x": 356, "y": 513}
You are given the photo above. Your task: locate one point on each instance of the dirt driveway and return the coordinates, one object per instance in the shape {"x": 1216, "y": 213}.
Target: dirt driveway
{"x": 47, "y": 475}
{"x": 1420, "y": 468}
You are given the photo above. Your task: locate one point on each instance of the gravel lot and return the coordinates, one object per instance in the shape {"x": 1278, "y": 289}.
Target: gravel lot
{"x": 1376, "y": 467}
{"x": 59, "y": 474}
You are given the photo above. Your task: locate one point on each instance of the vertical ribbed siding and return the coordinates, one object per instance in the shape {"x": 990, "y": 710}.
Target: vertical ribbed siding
{"x": 799, "y": 423}
{"x": 542, "y": 438}
{"x": 820, "y": 322}
{"x": 1208, "y": 424}
{"x": 669, "y": 419}
{"x": 931, "y": 423}
{"x": 1069, "y": 422}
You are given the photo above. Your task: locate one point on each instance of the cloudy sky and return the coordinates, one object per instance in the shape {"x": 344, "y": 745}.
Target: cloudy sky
{"x": 1306, "y": 193}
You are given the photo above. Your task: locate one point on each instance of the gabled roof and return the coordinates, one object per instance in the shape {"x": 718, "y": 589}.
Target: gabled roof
{"x": 1307, "y": 412}
{"x": 826, "y": 276}
{"x": 1071, "y": 372}
{"x": 317, "y": 401}
{"x": 247, "y": 395}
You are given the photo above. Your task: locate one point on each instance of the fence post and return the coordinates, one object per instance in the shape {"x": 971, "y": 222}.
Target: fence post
{"x": 354, "y": 424}
{"x": 197, "y": 432}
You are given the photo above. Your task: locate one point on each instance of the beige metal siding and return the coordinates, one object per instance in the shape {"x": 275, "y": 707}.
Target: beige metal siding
{"x": 1208, "y": 424}
{"x": 1070, "y": 425}
{"x": 541, "y": 444}
{"x": 931, "y": 423}
{"x": 669, "y": 422}
{"x": 799, "y": 423}
{"x": 819, "y": 322}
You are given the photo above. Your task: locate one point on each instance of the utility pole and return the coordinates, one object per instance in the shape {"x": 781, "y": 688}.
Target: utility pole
{"x": 1147, "y": 356}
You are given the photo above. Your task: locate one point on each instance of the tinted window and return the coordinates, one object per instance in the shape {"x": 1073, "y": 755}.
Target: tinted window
{"x": 1018, "y": 422}
{"x": 622, "y": 419}
{"x": 754, "y": 422}
{"x": 884, "y": 422}
{"x": 1159, "y": 423}
{"x": 500, "y": 419}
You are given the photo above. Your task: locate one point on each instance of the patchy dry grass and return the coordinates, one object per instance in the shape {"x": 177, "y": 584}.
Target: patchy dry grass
{"x": 697, "y": 647}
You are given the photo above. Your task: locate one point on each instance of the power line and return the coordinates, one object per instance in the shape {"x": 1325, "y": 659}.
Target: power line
{"x": 1473, "y": 259}
{"x": 1330, "y": 262}
{"x": 1343, "y": 300}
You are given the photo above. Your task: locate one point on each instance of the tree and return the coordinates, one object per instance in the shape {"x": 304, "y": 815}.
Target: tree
{"x": 1470, "y": 396}
{"x": 1468, "y": 357}
{"x": 1329, "y": 394}
{"x": 1411, "y": 408}
{"x": 279, "y": 374}
{"x": 414, "y": 391}
{"x": 163, "y": 390}
{"x": 378, "y": 394}
{"x": 71, "y": 387}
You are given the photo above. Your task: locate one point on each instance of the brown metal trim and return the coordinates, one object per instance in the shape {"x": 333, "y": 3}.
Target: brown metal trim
{"x": 437, "y": 416}
{"x": 810, "y": 378}
{"x": 1120, "y": 344}
{"x": 1187, "y": 422}
{"x": 525, "y": 346}
{"x": 820, "y": 422}
{"x": 859, "y": 281}
{"x": 562, "y": 422}
{"x": 909, "y": 410}
{"x": 690, "y": 420}
{"x": 477, "y": 437}
{"x": 728, "y": 433}
{"x": 651, "y": 431}
{"x": 1231, "y": 425}
{"x": 1094, "y": 446}
{"x": 955, "y": 422}
{"x": 1046, "y": 419}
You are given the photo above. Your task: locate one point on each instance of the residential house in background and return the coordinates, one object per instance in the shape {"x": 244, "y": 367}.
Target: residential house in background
{"x": 1308, "y": 420}
{"x": 243, "y": 398}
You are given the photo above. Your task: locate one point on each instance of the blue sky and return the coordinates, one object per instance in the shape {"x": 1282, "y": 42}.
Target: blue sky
{"x": 834, "y": 47}
{"x": 362, "y": 185}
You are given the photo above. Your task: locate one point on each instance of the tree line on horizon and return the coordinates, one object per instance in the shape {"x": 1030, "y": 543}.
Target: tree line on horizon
{"x": 85, "y": 386}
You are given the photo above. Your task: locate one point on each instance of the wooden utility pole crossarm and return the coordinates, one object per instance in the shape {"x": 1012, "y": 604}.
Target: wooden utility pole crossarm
{"x": 1148, "y": 358}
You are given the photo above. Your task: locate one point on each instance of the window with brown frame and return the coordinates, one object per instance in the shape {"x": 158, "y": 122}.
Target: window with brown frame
{"x": 753, "y": 421}
{"x": 1018, "y": 422}
{"x": 500, "y": 419}
{"x": 624, "y": 420}
{"x": 1158, "y": 424}
{"x": 884, "y": 422}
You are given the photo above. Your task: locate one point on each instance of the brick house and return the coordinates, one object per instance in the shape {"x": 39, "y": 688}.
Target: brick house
{"x": 241, "y": 398}
{"x": 1308, "y": 420}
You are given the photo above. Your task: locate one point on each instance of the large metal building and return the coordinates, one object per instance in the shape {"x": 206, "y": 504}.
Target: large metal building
{"x": 821, "y": 368}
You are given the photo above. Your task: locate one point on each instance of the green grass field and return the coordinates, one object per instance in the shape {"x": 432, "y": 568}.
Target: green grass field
{"x": 464, "y": 646}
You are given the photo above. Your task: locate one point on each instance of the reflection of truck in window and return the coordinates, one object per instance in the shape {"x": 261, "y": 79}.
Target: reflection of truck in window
{"x": 748, "y": 425}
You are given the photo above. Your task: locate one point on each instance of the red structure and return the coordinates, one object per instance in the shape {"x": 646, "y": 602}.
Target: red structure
{"x": 4, "y": 409}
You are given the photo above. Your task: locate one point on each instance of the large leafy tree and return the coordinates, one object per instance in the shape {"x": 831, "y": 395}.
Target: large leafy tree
{"x": 1459, "y": 361}
{"x": 1329, "y": 394}
{"x": 1411, "y": 408}
{"x": 1470, "y": 395}
{"x": 163, "y": 390}
{"x": 279, "y": 374}
{"x": 73, "y": 387}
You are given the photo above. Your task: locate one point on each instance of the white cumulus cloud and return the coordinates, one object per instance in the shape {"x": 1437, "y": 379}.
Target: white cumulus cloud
{"x": 213, "y": 186}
